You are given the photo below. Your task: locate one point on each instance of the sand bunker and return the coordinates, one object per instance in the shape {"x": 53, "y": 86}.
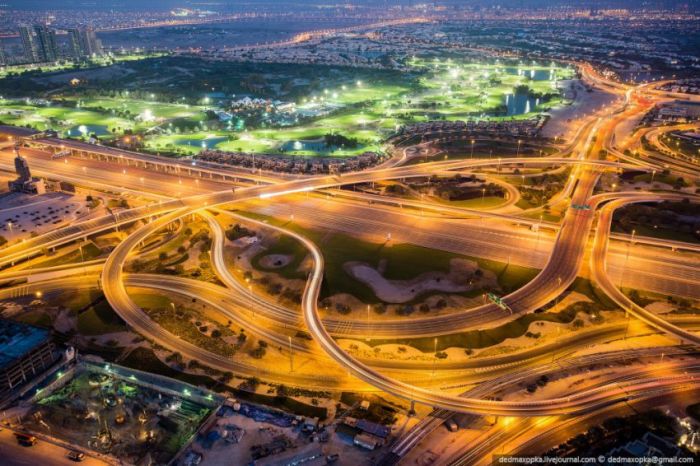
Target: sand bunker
{"x": 401, "y": 291}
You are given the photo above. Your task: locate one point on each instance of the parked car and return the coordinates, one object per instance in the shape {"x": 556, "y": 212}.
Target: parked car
{"x": 26, "y": 440}
{"x": 76, "y": 455}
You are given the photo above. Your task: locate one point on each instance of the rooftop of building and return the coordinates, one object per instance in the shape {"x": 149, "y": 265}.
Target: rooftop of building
{"x": 16, "y": 131}
{"x": 17, "y": 339}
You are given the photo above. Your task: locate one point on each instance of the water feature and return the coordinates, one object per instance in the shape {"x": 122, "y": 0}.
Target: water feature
{"x": 86, "y": 130}
{"x": 206, "y": 143}
{"x": 312, "y": 145}
{"x": 534, "y": 74}
{"x": 519, "y": 104}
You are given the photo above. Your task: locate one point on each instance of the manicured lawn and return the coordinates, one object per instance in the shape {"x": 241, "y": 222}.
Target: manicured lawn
{"x": 150, "y": 301}
{"x": 288, "y": 246}
{"x": 35, "y": 317}
{"x": 402, "y": 261}
{"x": 478, "y": 203}
{"x": 90, "y": 251}
{"x": 67, "y": 65}
{"x": 365, "y": 110}
{"x": 476, "y": 339}
{"x": 77, "y": 301}
{"x": 510, "y": 276}
{"x": 99, "y": 319}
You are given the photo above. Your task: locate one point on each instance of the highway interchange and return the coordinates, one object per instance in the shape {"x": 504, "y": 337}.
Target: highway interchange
{"x": 581, "y": 244}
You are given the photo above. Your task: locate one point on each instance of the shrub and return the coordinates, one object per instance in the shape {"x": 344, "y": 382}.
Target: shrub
{"x": 258, "y": 353}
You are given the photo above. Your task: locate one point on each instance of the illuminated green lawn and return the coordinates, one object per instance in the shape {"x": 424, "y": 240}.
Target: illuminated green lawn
{"x": 69, "y": 65}
{"x": 366, "y": 112}
{"x": 60, "y": 118}
{"x": 101, "y": 112}
{"x": 157, "y": 110}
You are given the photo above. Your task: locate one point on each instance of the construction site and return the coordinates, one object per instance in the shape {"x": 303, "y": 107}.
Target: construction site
{"x": 119, "y": 414}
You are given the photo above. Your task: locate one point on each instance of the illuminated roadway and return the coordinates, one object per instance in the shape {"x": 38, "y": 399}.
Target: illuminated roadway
{"x": 562, "y": 267}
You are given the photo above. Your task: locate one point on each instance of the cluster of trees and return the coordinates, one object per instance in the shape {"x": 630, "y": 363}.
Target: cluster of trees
{"x": 259, "y": 351}
{"x": 338, "y": 140}
{"x": 540, "y": 382}
{"x": 455, "y": 192}
{"x": 675, "y": 216}
{"x": 539, "y": 189}
{"x": 381, "y": 308}
{"x": 275, "y": 288}
{"x": 238, "y": 231}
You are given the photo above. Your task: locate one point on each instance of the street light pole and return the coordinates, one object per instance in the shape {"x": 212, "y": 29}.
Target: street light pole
{"x": 434, "y": 356}
{"x": 627, "y": 256}
{"x": 252, "y": 306}
{"x": 368, "y": 332}
{"x": 556, "y": 302}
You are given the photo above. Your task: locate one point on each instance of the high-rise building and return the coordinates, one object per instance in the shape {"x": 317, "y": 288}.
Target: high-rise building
{"x": 94, "y": 44}
{"x": 31, "y": 52}
{"x": 74, "y": 38}
{"x": 39, "y": 43}
{"x": 25, "y": 182}
{"x": 46, "y": 42}
{"x": 84, "y": 42}
{"x": 22, "y": 169}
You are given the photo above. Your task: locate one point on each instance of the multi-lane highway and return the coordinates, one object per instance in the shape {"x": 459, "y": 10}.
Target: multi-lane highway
{"x": 562, "y": 259}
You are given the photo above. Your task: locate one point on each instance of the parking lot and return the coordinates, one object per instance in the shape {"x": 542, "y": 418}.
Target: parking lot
{"x": 23, "y": 214}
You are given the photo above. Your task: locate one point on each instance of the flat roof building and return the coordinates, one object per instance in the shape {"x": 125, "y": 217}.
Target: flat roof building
{"x": 26, "y": 351}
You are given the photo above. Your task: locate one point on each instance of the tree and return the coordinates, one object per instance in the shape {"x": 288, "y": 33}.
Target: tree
{"x": 252, "y": 383}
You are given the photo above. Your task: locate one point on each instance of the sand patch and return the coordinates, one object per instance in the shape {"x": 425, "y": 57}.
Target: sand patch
{"x": 461, "y": 278}
{"x": 660, "y": 307}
